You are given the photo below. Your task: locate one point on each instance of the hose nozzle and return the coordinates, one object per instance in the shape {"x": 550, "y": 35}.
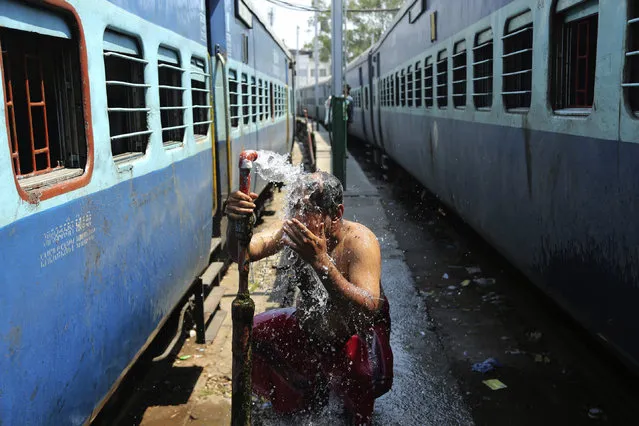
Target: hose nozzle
{"x": 247, "y": 158}
{"x": 246, "y": 164}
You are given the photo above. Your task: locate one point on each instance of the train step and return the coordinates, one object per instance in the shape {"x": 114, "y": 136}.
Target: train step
{"x": 211, "y": 274}
{"x": 214, "y": 327}
{"x": 216, "y": 243}
{"x": 212, "y": 302}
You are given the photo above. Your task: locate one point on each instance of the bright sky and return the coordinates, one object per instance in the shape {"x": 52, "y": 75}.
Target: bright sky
{"x": 286, "y": 22}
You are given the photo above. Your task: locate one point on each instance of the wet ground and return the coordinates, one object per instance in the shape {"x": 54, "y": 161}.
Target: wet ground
{"x": 472, "y": 306}
{"x": 454, "y": 302}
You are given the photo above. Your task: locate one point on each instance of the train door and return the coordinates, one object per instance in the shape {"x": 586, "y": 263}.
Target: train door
{"x": 221, "y": 139}
{"x": 373, "y": 99}
{"x": 364, "y": 94}
{"x": 377, "y": 111}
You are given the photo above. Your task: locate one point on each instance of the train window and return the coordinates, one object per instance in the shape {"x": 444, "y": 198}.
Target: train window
{"x": 517, "y": 63}
{"x": 171, "y": 94}
{"x": 365, "y": 97}
{"x": 459, "y": 75}
{"x": 483, "y": 70}
{"x": 278, "y": 100}
{"x": 234, "y": 98}
{"x": 260, "y": 100}
{"x": 409, "y": 86}
{"x": 201, "y": 98}
{"x": 631, "y": 80}
{"x": 575, "y": 50}
{"x": 264, "y": 100}
{"x": 246, "y": 102}
{"x": 442, "y": 79}
{"x": 253, "y": 100}
{"x": 43, "y": 99}
{"x": 126, "y": 96}
{"x": 388, "y": 91}
{"x": 418, "y": 84}
{"x": 428, "y": 82}
{"x": 271, "y": 101}
{"x": 396, "y": 90}
{"x": 402, "y": 88}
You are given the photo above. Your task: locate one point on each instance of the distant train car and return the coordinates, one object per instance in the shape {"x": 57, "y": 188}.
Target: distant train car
{"x": 522, "y": 117}
{"x": 110, "y": 180}
{"x": 258, "y": 70}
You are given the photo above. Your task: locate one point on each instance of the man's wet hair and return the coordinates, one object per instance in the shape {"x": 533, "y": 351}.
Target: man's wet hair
{"x": 323, "y": 190}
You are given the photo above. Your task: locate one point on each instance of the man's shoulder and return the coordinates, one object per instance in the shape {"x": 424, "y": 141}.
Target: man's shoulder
{"x": 361, "y": 237}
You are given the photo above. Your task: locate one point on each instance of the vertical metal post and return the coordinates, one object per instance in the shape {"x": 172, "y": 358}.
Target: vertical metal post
{"x": 338, "y": 147}
{"x": 316, "y": 56}
{"x": 242, "y": 310}
{"x": 336, "y": 46}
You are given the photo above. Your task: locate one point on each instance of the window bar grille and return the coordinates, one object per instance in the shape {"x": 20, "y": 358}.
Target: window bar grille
{"x": 442, "y": 88}
{"x": 260, "y": 100}
{"x": 37, "y": 104}
{"x": 127, "y": 57}
{"x": 581, "y": 86}
{"x": 171, "y": 67}
{"x": 409, "y": 87}
{"x": 245, "y": 99}
{"x": 234, "y": 96}
{"x": 484, "y": 44}
{"x": 253, "y": 100}
{"x": 127, "y": 84}
{"x": 176, "y": 88}
{"x": 516, "y": 76}
{"x": 459, "y": 79}
{"x": 631, "y": 83}
{"x": 428, "y": 83}
{"x": 15, "y": 152}
{"x": 483, "y": 73}
{"x": 517, "y": 32}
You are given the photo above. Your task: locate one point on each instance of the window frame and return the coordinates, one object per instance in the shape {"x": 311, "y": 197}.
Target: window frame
{"x": 181, "y": 89}
{"x": 196, "y": 70}
{"x": 509, "y": 32}
{"x": 561, "y": 69}
{"x": 60, "y": 8}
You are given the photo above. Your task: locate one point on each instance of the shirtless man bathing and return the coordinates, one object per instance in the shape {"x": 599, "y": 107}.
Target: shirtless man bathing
{"x": 338, "y": 342}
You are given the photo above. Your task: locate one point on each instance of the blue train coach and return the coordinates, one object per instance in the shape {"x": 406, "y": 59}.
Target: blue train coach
{"x": 115, "y": 153}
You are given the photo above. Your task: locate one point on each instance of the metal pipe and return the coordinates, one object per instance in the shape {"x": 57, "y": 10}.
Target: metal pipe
{"x": 243, "y": 308}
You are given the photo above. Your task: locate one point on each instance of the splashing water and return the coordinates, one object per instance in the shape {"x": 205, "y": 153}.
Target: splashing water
{"x": 275, "y": 167}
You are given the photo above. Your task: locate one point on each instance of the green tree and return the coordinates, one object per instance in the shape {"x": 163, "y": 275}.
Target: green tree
{"x": 362, "y": 28}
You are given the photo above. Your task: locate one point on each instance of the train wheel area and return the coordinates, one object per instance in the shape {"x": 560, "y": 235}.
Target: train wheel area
{"x": 474, "y": 341}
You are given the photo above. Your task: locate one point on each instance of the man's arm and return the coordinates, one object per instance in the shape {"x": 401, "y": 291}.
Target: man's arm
{"x": 263, "y": 244}
{"x": 364, "y": 259}
{"x": 364, "y": 270}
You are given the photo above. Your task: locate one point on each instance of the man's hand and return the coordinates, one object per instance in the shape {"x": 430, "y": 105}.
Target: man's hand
{"x": 239, "y": 205}
{"x": 310, "y": 247}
